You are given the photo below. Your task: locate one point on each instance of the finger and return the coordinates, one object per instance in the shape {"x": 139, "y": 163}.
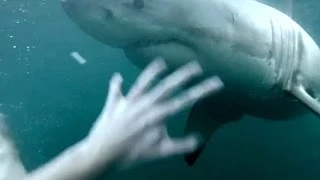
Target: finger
{"x": 194, "y": 94}
{"x": 171, "y": 147}
{"x": 187, "y": 98}
{"x": 146, "y": 78}
{"x": 114, "y": 94}
{"x": 173, "y": 82}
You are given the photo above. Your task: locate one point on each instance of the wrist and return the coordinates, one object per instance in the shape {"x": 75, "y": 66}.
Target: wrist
{"x": 76, "y": 162}
{"x": 97, "y": 157}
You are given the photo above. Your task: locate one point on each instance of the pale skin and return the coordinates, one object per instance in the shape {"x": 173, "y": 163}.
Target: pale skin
{"x": 131, "y": 129}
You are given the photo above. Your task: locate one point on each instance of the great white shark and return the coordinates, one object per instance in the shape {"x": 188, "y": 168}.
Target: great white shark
{"x": 268, "y": 62}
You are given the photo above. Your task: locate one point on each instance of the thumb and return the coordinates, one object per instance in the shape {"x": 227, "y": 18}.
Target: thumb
{"x": 114, "y": 94}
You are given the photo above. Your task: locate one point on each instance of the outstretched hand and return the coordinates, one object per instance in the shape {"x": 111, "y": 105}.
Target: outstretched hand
{"x": 131, "y": 129}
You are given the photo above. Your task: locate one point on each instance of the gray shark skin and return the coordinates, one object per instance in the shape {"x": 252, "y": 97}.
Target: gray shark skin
{"x": 268, "y": 63}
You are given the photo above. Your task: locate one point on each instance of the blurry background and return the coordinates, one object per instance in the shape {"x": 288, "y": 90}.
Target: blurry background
{"x": 51, "y": 101}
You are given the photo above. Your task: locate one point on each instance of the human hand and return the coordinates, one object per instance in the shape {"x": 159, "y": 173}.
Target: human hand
{"x": 132, "y": 129}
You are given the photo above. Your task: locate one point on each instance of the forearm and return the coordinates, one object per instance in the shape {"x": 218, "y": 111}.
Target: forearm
{"x": 78, "y": 162}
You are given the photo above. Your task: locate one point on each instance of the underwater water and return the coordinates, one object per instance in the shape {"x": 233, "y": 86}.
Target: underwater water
{"x": 51, "y": 101}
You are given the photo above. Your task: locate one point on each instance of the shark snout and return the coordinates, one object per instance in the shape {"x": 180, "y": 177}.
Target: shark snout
{"x": 75, "y": 9}
{"x": 76, "y": 6}
{"x": 67, "y": 5}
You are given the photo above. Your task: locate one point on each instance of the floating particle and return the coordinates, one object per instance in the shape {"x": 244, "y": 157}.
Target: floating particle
{"x": 76, "y": 56}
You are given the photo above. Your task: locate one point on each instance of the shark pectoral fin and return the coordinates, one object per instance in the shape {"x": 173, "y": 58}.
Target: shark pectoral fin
{"x": 206, "y": 117}
{"x": 304, "y": 96}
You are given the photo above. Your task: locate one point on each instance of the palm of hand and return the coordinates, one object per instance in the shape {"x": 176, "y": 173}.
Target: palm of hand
{"x": 134, "y": 126}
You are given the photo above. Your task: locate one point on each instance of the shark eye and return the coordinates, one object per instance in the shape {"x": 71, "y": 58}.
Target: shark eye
{"x": 107, "y": 13}
{"x": 138, "y": 4}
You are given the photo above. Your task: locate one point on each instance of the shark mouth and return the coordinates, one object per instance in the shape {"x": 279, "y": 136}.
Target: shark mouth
{"x": 148, "y": 43}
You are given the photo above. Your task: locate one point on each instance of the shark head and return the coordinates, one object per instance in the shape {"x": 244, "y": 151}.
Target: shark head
{"x": 144, "y": 29}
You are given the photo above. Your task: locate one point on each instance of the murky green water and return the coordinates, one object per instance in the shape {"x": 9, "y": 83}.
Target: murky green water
{"x": 51, "y": 101}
